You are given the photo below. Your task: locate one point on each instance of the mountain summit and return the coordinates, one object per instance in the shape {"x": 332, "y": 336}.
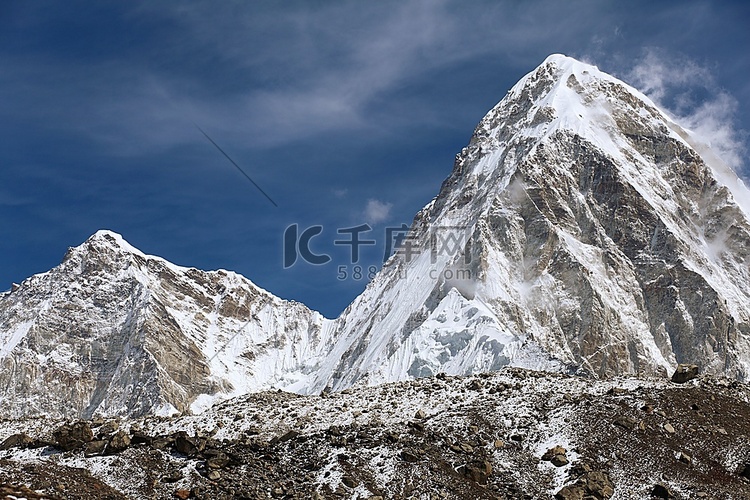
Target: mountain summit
{"x": 596, "y": 239}
{"x": 581, "y": 230}
{"x": 114, "y": 331}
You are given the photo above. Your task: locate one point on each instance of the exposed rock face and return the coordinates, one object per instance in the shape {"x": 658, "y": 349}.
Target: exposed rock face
{"x": 581, "y": 230}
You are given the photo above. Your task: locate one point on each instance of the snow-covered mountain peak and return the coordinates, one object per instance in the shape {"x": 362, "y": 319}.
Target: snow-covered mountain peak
{"x": 108, "y": 248}
{"x": 580, "y": 230}
{"x": 113, "y": 330}
{"x": 591, "y": 235}
{"x": 564, "y": 93}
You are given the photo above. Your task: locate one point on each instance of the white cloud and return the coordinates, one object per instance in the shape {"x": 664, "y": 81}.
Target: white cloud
{"x": 377, "y": 211}
{"x": 689, "y": 91}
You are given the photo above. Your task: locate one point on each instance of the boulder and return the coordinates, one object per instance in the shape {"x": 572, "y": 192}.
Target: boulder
{"x": 661, "y": 491}
{"x": 71, "y": 436}
{"x": 118, "y": 443}
{"x": 17, "y": 441}
{"x": 556, "y": 456}
{"x": 93, "y": 448}
{"x": 591, "y": 485}
{"x": 684, "y": 373}
{"x": 188, "y": 446}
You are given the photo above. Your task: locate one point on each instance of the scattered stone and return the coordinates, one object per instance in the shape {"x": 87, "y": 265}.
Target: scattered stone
{"x": 214, "y": 475}
{"x": 668, "y": 427}
{"x": 626, "y": 423}
{"x": 93, "y": 448}
{"x": 182, "y": 494}
{"x": 499, "y": 443}
{"x": 421, "y": 415}
{"x": 684, "y": 458}
{"x": 685, "y": 373}
{"x": 349, "y": 482}
{"x": 661, "y": 491}
{"x": 556, "y": 456}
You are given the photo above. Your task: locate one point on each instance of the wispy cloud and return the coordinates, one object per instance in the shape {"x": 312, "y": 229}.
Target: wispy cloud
{"x": 689, "y": 91}
{"x": 265, "y": 77}
{"x": 377, "y": 211}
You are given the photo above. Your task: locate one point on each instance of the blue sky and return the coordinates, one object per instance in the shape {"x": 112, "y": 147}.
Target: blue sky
{"x": 343, "y": 112}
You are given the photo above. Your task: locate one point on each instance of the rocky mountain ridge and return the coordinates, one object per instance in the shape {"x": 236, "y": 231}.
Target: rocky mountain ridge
{"x": 114, "y": 331}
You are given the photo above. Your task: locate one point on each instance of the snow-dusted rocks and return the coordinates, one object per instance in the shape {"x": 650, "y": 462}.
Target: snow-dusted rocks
{"x": 581, "y": 230}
